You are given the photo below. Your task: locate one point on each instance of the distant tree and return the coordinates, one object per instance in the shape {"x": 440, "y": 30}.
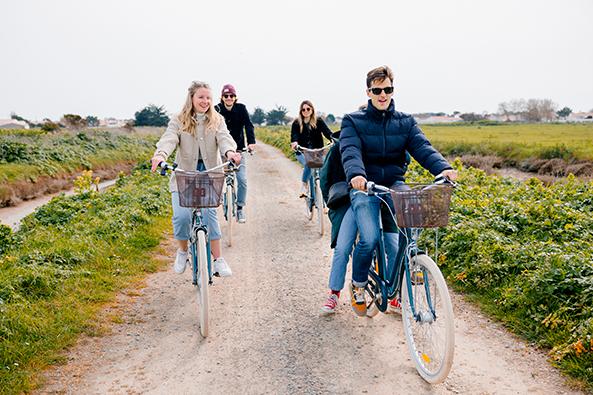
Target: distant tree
{"x": 258, "y": 117}
{"x": 330, "y": 118}
{"x": 73, "y": 121}
{"x": 92, "y": 121}
{"x": 151, "y": 115}
{"x": 472, "y": 117}
{"x": 564, "y": 113}
{"x": 49, "y": 126}
{"x": 19, "y": 118}
{"x": 277, "y": 116}
{"x": 440, "y": 114}
{"x": 540, "y": 110}
{"x": 129, "y": 125}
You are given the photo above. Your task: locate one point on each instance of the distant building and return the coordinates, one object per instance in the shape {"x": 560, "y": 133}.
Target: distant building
{"x": 580, "y": 117}
{"x": 112, "y": 123}
{"x": 13, "y": 124}
{"x": 436, "y": 119}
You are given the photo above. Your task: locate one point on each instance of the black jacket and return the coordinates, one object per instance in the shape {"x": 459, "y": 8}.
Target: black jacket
{"x": 373, "y": 144}
{"x": 331, "y": 173}
{"x": 309, "y": 137}
{"x": 236, "y": 119}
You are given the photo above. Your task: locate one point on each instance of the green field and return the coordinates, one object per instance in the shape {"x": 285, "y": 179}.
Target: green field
{"x": 511, "y": 142}
{"x": 571, "y": 142}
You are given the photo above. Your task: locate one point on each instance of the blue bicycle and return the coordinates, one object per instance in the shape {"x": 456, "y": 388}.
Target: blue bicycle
{"x": 314, "y": 199}
{"x": 198, "y": 190}
{"x": 415, "y": 279}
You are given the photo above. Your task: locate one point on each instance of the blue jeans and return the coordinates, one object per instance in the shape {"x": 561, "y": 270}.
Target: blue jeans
{"x": 306, "y": 171}
{"x": 366, "y": 212}
{"x": 242, "y": 181}
{"x": 344, "y": 244}
{"x": 182, "y": 217}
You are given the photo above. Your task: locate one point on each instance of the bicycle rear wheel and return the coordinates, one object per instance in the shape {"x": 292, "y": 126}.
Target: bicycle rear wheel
{"x": 203, "y": 280}
{"x": 428, "y": 319}
{"x": 229, "y": 208}
{"x": 319, "y": 204}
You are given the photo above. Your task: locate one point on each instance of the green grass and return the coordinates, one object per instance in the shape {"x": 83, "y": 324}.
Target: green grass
{"x": 25, "y": 156}
{"x": 66, "y": 262}
{"x": 515, "y": 141}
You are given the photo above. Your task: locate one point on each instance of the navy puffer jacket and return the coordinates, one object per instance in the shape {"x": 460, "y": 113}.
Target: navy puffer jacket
{"x": 373, "y": 144}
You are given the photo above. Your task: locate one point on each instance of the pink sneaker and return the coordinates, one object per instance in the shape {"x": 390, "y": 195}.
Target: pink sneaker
{"x": 330, "y": 305}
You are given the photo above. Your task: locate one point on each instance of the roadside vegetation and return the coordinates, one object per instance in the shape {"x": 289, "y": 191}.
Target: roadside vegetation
{"x": 66, "y": 262}
{"x": 523, "y": 251}
{"x": 554, "y": 150}
{"x": 33, "y": 162}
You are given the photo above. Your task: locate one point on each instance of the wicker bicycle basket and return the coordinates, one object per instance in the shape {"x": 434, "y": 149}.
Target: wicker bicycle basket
{"x": 314, "y": 157}
{"x": 422, "y": 206}
{"x": 199, "y": 189}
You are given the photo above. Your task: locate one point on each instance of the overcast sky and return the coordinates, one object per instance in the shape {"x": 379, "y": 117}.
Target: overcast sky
{"x": 113, "y": 57}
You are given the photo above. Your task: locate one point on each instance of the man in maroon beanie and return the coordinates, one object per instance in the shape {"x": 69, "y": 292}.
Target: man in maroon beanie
{"x": 237, "y": 120}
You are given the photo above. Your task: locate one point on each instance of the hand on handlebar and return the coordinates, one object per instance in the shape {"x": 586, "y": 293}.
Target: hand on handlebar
{"x": 235, "y": 157}
{"x": 359, "y": 182}
{"x": 294, "y": 145}
{"x": 155, "y": 162}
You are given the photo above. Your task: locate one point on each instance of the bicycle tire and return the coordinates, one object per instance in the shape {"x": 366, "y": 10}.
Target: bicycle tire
{"x": 203, "y": 280}
{"x": 430, "y": 337}
{"x": 319, "y": 204}
{"x": 230, "y": 203}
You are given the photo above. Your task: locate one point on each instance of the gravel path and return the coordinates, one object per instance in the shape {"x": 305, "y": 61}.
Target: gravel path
{"x": 266, "y": 336}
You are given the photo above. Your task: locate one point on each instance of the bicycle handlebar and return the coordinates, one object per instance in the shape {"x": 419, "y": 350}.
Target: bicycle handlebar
{"x": 165, "y": 166}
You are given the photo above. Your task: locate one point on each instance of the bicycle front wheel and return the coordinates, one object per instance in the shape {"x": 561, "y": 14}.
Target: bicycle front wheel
{"x": 428, "y": 319}
{"x": 202, "y": 283}
{"x": 230, "y": 203}
{"x": 319, "y": 204}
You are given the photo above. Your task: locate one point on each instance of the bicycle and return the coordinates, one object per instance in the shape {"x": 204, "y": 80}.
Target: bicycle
{"x": 198, "y": 190}
{"x": 427, "y": 310}
{"x": 230, "y": 195}
{"x": 314, "y": 199}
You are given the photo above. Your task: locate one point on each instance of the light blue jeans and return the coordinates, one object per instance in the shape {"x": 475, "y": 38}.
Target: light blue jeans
{"x": 242, "y": 181}
{"x": 344, "y": 244}
{"x": 366, "y": 211}
{"x": 182, "y": 217}
{"x": 306, "y": 171}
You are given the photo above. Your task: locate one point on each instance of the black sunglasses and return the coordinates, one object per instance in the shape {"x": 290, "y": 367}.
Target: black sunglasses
{"x": 377, "y": 91}
{"x": 227, "y": 96}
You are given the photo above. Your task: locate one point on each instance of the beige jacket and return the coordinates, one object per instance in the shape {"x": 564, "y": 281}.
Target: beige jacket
{"x": 211, "y": 145}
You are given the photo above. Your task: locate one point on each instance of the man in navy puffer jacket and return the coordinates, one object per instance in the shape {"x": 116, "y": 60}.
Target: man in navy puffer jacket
{"x": 373, "y": 145}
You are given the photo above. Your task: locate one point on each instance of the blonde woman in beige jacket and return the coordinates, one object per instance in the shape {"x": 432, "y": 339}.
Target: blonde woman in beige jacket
{"x": 201, "y": 137}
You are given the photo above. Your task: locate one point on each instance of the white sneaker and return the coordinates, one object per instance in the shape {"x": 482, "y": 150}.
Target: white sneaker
{"x": 222, "y": 268}
{"x": 180, "y": 261}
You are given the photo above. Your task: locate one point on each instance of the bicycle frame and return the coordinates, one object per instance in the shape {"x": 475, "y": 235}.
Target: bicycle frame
{"x": 198, "y": 224}
{"x": 390, "y": 279}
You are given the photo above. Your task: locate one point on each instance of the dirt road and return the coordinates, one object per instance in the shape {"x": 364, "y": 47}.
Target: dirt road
{"x": 266, "y": 334}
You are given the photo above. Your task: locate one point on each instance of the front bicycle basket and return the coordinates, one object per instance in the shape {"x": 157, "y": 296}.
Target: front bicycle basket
{"x": 314, "y": 158}
{"x": 423, "y": 206}
{"x": 199, "y": 189}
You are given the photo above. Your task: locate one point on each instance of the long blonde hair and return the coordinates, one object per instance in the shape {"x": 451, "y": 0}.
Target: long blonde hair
{"x": 312, "y": 119}
{"x": 187, "y": 115}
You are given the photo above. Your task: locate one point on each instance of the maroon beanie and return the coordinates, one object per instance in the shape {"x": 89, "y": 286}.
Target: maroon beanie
{"x": 229, "y": 89}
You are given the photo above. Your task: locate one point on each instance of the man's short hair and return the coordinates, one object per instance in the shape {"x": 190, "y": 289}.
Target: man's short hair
{"x": 379, "y": 74}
